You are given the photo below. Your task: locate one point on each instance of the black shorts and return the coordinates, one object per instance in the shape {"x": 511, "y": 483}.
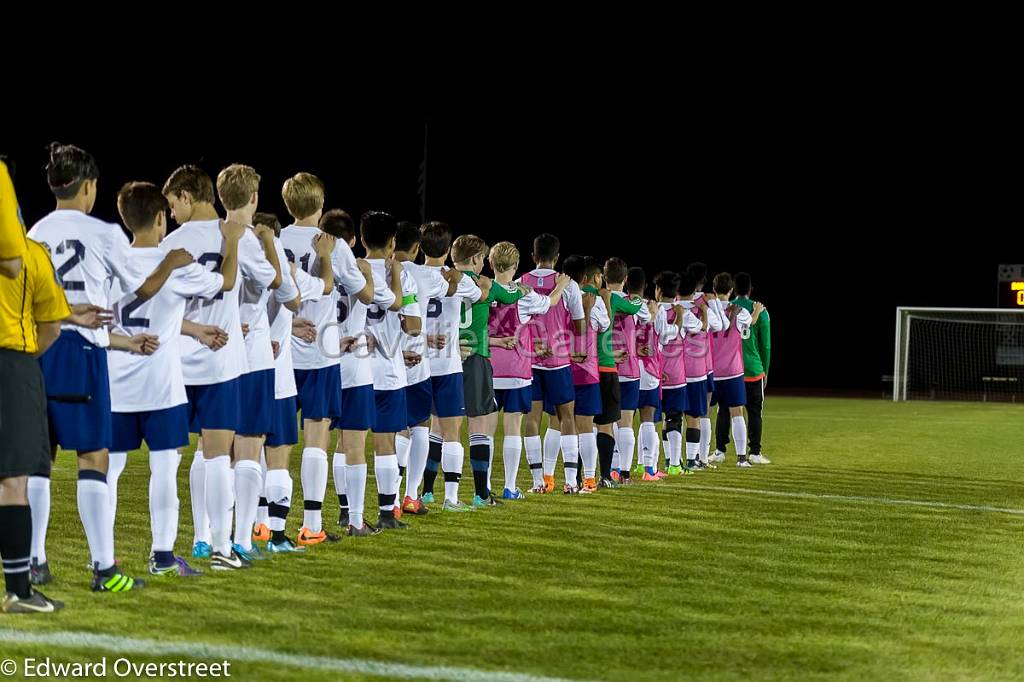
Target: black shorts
{"x": 24, "y": 435}
{"x": 611, "y": 399}
{"x": 478, "y": 386}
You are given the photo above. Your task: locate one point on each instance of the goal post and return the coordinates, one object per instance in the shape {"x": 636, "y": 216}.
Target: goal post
{"x": 972, "y": 354}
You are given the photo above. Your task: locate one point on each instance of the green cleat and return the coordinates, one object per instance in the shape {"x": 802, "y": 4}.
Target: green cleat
{"x": 456, "y": 506}
{"x": 427, "y": 498}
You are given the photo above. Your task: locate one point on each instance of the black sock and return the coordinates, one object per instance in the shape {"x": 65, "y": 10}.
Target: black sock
{"x": 16, "y": 548}
{"x": 277, "y": 536}
{"x": 343, "y": 501}
{"x": 479, "y": 457}
{"x": 692, "y": 436}
{"x": 433, "y": 465}
{"x": 605, "y": 451}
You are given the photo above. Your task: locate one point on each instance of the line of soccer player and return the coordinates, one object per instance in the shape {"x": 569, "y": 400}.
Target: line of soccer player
{"x": 231, "y": 326}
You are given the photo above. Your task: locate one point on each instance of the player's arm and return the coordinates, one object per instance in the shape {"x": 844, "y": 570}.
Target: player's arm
{"x": 49, "y": 303}
{"x": 46, "y": 334}
{"x": 764, "y": 339}
{"x": 141, "y": 344}
{"x": 503, "y": 295}
{"x": 324, "y": 244}
{"x": 176, "y": 258}
{"x": 561, "y": 284}
{"x": 229, "y": 266}
{"x": 452, "y": 278}
{"x": 365, "y": 295}
{"x": 266, "y": 238}
{"x": 395, "y": 269}
{"x": 210, "y": 336}
{"x": 12, "y": 233}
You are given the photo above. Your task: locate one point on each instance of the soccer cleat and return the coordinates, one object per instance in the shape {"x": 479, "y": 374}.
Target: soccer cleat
{"x": 539, "y": 489}
{"x": 744, "y": 464}
{"x": 615, "y": 476}
{"x": 283, "y": 547}
{"x": 416, "y": 507}
{"x": 455, "y": 506}
{"x": 549, "y": 484}
{"x": 254, "y": 554}
{"x": 650, "y": 477}
{"x": 717, "y": 457}
{"x": 179, "y": 567}
{"x": 308, "y": 538}
{"x": 660, "y": 475}
{"x": 366, "y": 531}
{"x": 638, "y": 468}
{"x": 625, "y": 480}
{"x": 260, "y": 533}
{"x": 589, "y": 486}
{"x": 39, "y": 573}
{"x": 388, "y": 521}
{"x": 516, "y": 494}
{"x": 397, "y": 511}
{"x": 115, "y": 581}
{"x": 201, "y": 550}
{"x": 36, "y": 603}
{"x": 230, "y": 562}
{"x": 569, "y": 489}
{"x": 609, "y": 483}
{"x": 427, "y": 498}
{"x": 692, "y": 466}
{"x": 675, "y": 470}
{"x": 708, "y": 465}
{"x": 343, "y": 518}
{"x": 489, "y": 501}
{"x": 759, "y": 459}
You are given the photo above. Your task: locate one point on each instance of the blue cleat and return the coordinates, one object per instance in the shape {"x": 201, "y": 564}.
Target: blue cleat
{"x": 201, "y": 550}
{"x": 283, "y": 547}
{"x": 516, "y": 494}
{"x": 427, "y": 498}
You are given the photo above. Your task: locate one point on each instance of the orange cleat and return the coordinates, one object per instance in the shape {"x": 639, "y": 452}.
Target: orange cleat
{"x": 260, "y": 533}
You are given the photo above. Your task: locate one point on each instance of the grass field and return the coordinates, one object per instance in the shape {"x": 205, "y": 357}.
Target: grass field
{"x": 886, "y": 541}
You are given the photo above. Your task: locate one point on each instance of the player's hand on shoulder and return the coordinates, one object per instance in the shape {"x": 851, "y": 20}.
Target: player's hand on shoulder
{"x": 178, "y": 258}
{"x": 323, "y": 244}
{"x": 232, "y": 230}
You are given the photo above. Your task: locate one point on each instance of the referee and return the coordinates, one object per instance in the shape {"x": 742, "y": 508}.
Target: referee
{"x": 32, "y": 304}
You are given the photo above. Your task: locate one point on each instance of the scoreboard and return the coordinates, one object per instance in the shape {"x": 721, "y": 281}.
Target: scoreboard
{"x": 1011, "y": 287}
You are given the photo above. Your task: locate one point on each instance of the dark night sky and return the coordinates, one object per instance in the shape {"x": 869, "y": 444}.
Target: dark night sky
{"x": 839, "y": 217}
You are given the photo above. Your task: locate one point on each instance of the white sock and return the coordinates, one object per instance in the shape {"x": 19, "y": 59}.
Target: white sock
{"x": 163, "y": 498}
{"x": 313, "y": 474}
{"x": 705, "y": 438}
{"x": 739, "y": 435}
{"x": 116, "y": 460}
{"x": 219, "y": 500}
{"x": 418, "y": 448}
{"x": 490, "y": 460}
{"x": 263, "y": 511}
{"x": 552, "y": 441}
{"x": 534, "y": 459}
{"x": 588, "y": 453}
{"x": 675, "y": 447}
{"x": 385, "y": 470}
{"x": 453, "y": 456}
{"x": 248, "y": 484}
{"x": 626, "y": 440}
{"x": 649, "y": 445}
{"x": 338, "y": 469}
{"x": 279, "y": 493}
{"x": 692, "y": 450}
{"x": 39, "y": 501}
{"x": 94, "y": 510}
{"x": 511, "y": 451}
{"x": 355, "y": 484}
{"x": 616, "y": 458}
{"x": 571, "y": 457}
{"x": 197, "y": 493}
{"x": 402, "y": 446}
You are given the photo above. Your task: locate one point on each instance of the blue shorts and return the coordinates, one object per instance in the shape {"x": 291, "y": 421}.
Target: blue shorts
{"x": 651, "y": 398}
{"x": 514, "y": 400}
{"x": 449, "y": 395}
{"x": 588, "y": 400}
{"x": 77, "y": 393}
{"x": 319, "y": 392}
{"x": 674, "y": 400}
{"x": 257, "y": 389}
{"x": 214, "y": 406}
{"x": 630, "y": 392}
{"x": 165, "y": 429}
{"x": 731, "y": 392}
{"x": 284, "y": 426}
{"x": 392, "y": 414}
{"x": 554, "y": 387}
{"x": 419, "y": 398}
{"x": 697, "y": 398}
{"x": 359, "y": 409}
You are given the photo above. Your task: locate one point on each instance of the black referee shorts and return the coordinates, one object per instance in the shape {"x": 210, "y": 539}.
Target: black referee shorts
{"x": 24, "y": 436}
{"x": 611, "y": 399}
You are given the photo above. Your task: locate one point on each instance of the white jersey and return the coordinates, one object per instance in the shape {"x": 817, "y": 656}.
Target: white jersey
{"x": 430, "y": 284}
{"x": 86, "y": 253}
{"x": 298, "y": 246}
{"x": 357, "y": 364}
{"x": 444, "y": 315}
{"x": 203, "y": 239}
{"x": 386, "y": 328}
{"x": 531, "y": 304}
{"x": 252, "y": 310}
{"x": 143, "y": 383}
{"x": 309, "y": 289}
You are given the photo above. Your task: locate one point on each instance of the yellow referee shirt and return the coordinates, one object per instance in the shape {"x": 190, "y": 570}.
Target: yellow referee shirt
{"x": 12, "y": 232}
{"x": 33, "y": 296}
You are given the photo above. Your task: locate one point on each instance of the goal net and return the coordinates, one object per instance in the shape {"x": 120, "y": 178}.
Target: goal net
{"x": 974, "y": 354}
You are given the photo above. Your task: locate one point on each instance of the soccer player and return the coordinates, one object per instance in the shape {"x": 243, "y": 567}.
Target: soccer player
{"x": 695, "y": 351}
{"x": 700, "y": 274}
{"x": 148, "y": 392}
{"x": 756, "y": 357}
{"x": 317, "y": 374}
{"x": 562, "y": 330}
{"x": 212, "y": 377}
{"x": 727, "y": 354}
{"x": 442, "y": 326}
{"x": 628, "y": 307}
{"x": 88, "y": 255}
{"x": 431, "y": 284}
